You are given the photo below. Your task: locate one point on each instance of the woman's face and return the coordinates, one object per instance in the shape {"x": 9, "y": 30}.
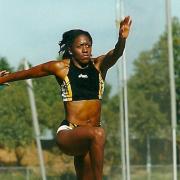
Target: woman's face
{"x": 81, "y": 49}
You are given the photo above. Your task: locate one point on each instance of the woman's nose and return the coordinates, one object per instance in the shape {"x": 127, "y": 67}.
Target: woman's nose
{"x": 85, "y": 49}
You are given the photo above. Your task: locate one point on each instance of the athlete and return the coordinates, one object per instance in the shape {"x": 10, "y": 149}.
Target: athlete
{"x": 81, "y": 79}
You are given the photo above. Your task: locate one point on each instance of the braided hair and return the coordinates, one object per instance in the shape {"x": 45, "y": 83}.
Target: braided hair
{"x": 67, "y": 40}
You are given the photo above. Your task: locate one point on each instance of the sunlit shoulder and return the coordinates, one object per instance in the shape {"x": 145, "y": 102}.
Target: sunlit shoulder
{"x": 58, "y": 68}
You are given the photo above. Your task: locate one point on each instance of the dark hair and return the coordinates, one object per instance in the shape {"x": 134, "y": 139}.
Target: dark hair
{"x": 67, "y": 40}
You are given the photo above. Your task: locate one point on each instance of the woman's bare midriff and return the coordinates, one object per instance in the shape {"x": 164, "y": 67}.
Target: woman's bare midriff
{"x": 84, "y": 112}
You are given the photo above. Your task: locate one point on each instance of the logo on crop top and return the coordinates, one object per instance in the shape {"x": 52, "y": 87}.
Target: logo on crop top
{"x": 83, "y": 76}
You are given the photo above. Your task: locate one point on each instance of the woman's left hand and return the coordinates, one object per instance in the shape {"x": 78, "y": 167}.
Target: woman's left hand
{"x": 124, "y": 29}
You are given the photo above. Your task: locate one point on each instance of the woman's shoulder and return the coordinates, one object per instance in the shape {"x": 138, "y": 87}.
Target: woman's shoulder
{"x": 57, "y": 67}
{"x": 59, "y": 63}
{"x": 98, "y": 64}
{"x": 98, "y": 59}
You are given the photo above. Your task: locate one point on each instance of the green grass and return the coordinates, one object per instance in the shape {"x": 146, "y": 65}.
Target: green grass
{"x": 137, "y": 173}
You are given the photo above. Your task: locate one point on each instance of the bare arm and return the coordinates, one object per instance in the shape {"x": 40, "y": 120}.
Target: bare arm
{"x": 49, "y": 68}
{"x": 108, "y": 60}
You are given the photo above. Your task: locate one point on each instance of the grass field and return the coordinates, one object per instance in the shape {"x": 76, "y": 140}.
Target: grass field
{"x": 137, "y": 173}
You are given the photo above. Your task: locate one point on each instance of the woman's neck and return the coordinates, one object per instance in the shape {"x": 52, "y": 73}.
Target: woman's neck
{"x": 80, "y": 65}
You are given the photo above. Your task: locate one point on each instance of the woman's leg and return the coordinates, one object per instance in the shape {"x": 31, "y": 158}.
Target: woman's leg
{"x": 83, "y": 167}
{"x": 83, "y": 140}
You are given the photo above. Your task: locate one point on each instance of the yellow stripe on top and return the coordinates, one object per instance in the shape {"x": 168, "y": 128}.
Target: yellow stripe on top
{"x": 101, "y": 86}
{"x": 66, "y": 90}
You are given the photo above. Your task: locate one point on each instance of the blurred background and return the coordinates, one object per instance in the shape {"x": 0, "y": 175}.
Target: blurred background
{"x": 31, "y": 30}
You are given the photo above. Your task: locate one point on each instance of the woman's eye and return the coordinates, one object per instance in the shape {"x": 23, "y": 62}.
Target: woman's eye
{"x": 81, "y": 45}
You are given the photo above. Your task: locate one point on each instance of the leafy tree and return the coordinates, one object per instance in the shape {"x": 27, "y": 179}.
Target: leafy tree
{"x": 110, "y": 121}
{"x": 15, "y": 118}
{"x": 176, "y": 51}
{"x": 4, "y": 64}
{"x": 148, "y": 89}
{"x": 149, "y": 86}
{"x": 49, "y": 103}
{"x": 16, "y": 128}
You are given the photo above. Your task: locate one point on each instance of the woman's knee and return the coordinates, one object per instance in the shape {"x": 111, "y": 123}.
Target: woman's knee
{"x": 99, "y": 135}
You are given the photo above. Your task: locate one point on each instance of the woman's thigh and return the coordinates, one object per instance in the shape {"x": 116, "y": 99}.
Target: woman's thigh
{"x": 78, "y": 140}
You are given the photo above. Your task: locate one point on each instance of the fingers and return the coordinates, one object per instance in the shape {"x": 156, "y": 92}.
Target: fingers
{"x": 130, "y": 22}
{"x": 126, "y": 21}
{"x": 125, "y": 27}
{"x": 3, "y": 73}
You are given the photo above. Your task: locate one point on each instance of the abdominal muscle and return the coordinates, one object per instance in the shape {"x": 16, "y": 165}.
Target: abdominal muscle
{"x": 84, "y": 112}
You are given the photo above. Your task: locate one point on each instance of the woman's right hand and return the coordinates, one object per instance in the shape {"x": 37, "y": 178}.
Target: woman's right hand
{"x": 3, "y": 73}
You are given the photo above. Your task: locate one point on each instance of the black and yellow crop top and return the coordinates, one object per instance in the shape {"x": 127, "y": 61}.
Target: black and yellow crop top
{"x": 82, "y": 84}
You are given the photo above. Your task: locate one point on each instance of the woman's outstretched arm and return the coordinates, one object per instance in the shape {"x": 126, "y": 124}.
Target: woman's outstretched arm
{"x": 49, "y": 68}
{"x": 108, "y": 60}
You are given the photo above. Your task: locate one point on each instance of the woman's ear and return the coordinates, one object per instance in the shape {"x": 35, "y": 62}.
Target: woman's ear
{"x": 69, "y": 51}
